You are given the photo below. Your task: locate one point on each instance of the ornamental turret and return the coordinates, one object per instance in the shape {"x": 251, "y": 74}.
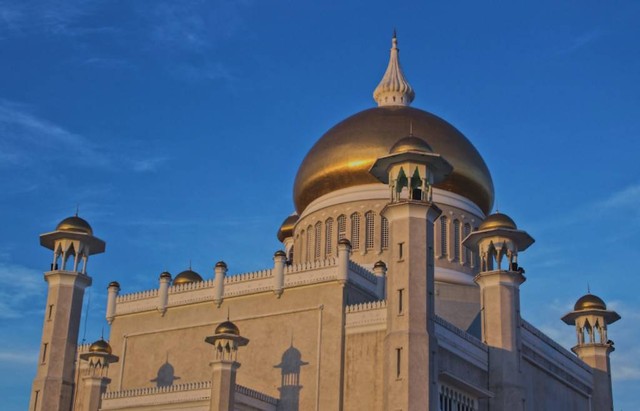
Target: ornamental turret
{"x": 226, "y": 340}
{"x": 591, "y": 318}
{"x": 95, "y": 377}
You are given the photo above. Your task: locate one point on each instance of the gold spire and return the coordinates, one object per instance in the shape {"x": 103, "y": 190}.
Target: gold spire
{"x": 394, "y": 89}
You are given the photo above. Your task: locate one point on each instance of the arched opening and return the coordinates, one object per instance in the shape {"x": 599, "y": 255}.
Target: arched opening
{"x": 444, "y": 222}
{"x": 355, "y": 231}
{"x": 384, "y": 233}
{"x": 328, "y": 237}
{"x": 369, "y": 222}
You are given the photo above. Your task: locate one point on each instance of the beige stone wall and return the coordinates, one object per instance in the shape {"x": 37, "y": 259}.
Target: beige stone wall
{"x": 544, "y": 392}
{"x": 306, "y": 320}
{"x": 364, "y": 381}
{"x": 458, "y": 304}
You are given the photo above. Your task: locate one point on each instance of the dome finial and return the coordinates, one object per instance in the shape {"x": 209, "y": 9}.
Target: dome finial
{"x": 394, "y": 89}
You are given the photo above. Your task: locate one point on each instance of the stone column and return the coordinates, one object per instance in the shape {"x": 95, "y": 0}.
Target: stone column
{"x": 220, "y": 273}
{"x": 279, "y": 261}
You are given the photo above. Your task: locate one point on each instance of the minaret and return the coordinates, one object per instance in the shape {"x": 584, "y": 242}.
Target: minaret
{"x": 226, "y": 340}
{"x": 95, "y": 378}
{"x": 591, "y": 317}
{"x": 72, "y": 243}
{"x": 410, "y": 369}
{"x": 498, "y": 242}
{"x": 394, "y": 89}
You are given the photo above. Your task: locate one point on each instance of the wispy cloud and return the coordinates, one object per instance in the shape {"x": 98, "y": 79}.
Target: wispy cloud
{"x": 581, "y": 41}
{"x": 27, "y": 140}
{"x": 48, "y": 16}
{"x": 628, "y": 197}
{"x": 21, "y": 286}
{"x": 18, "y": 357}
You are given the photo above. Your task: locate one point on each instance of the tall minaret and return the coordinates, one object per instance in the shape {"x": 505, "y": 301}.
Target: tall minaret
{"x": 498, "y": 242}
{"x": 410, "y": 369}
{"x": 72, "y": 243}
{"x": 591, "y": 317}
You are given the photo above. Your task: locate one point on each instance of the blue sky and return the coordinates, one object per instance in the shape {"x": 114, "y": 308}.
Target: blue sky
{"x": 178, "y": 128}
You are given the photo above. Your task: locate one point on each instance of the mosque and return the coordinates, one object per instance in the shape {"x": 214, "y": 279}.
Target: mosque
{"x": 396, "y": 289}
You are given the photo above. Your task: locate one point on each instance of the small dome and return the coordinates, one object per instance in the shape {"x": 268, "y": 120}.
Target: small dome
{"x": 114, "y": 284}
{"x": 221, "y": 264}
{"x": 379, "y": 264}
{"x": 75, "y": 224}
{"x": 280, "y": 253}
{"x": 165, "y": 274}
{"x": 100, "y": 346}
{"x": 286, "y": 228}
{"x": 344, "y": 241}
{"x": 410, "y": 143}
{"x": 589, "y": 302}
{"x": 187, "y": 276}
{"x": 227, "y": 327}
{"x": 498, "y": 220}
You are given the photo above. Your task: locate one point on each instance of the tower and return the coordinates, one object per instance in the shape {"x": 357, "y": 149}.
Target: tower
{"x": 409, "y": 364}
{"x": 72, "y": 243}
{"x": 591, "y": 317}
{"x": 226, "y": 341}
{"x": 498, "y": 242}
{"x": 95, "y": 378}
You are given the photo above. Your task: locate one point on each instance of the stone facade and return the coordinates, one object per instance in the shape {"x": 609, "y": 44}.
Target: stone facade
{"x": 398, "y": 295}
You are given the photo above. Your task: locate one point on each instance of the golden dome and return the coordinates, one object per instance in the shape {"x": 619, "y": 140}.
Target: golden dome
{"x": 498, "y": 220}
{"x": 227, "y": 327}
{"x": 342, "y": 157}
{"x": 589, "y": 302}
{"x": 100, "y": 346}
{"x": 286, "y": 228}
{"x": 187, "y": 276}
{"x": 75, "y": 224}
{"x": 410, "y": 143}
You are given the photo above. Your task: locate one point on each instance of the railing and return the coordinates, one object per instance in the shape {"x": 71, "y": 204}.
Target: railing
{"x": 461, "y": 333}
{"x": 256, "y": 394}
{"x": 372, "y": 305}
{"x": 137, "y": 392}
{"x": 363, "y": 272}
{"x": 547, "y": 340}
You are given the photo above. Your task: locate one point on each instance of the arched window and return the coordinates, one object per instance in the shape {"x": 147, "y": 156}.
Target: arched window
{"x": 444, "y": 243}
{"x": 456, "y": 240}
{"x": 369, "y": 222}
{"x": 342, "y": 227}
{"x": 328, "y": 236}
{"x": 316, "y": 241}
{"x": 309, "y": 243}
{"x": 355, "y": 231}
{"x": 302, "y": 247}
{"x": 384, "y": 233}
{"x": 467, "y": 252}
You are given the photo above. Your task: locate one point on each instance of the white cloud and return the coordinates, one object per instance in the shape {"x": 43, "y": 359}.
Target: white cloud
{"x": 18, "y": 357}
{"x": 626, "y": 198}
{"x": 27, "y": 140}
{"x": 21, "y": 286}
